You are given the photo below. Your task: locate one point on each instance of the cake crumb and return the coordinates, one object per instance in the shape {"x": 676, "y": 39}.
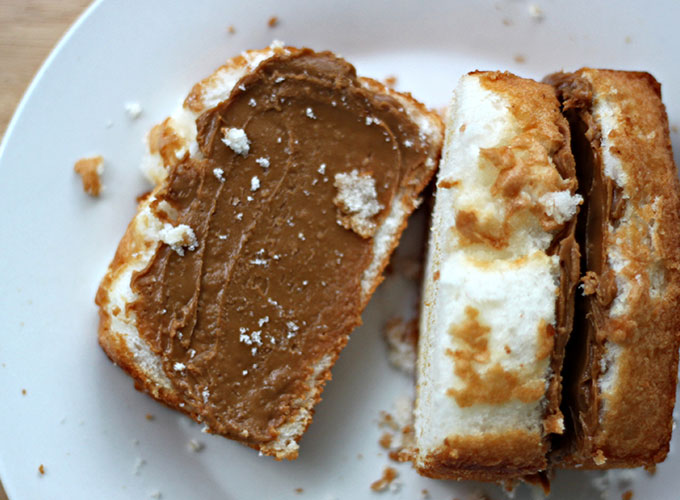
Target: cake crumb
{"x": 149, "y": 416}
{"x": 674, "y": 129}
{"x": 133, "y": 110}
{"x": 299, "y": 490}
{"x": 424, "y": 494}
{"x": 195, "y": 446}
{"x": 519, "y": 59}
{"x": 219, "y": 173}
{"x": 402, "y": 338}
{"x": 385, "y": 440}
{"x": 389, "y": 474}
{"x": 178, "y": 237}
{"x": 139, "y": 463}
{"x": 390, "y": 81}
{"x": 41, "y": 469}
{"x": 627, "y": 495}
{"x": 628, "y": 39}
{"x": 599, "y": 458}
{"x": 357, "y": 201}
{"x": 231, "y": 30}
{"x": 23, "y": 392}
{"x": 273, "y": 22}
{"x": 536, "y": 12}
{"x": 237, "y": 140}
{"x": 506, "y": 21}
{"x": 90, "y": 170}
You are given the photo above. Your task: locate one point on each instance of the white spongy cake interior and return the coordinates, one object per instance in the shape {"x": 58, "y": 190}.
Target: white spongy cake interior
{"x": 513, "y": 290}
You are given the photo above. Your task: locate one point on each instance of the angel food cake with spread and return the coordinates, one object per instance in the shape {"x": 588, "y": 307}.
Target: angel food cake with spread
{"x": 282, "y": 186}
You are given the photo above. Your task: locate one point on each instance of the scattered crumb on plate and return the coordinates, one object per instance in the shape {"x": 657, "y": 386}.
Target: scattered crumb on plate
{"x": 41, "y": 469}
{"x": 398, "y": 438}
{"x": 133, "y": 110}
{"x": 628, "y": 39}
{"x": 139, "y": 463}
{"x": 299, "y": 490}
{"x": 627, "y": 495}
{"x": 401, "y": 337}
{"x": 536, "y": 12}
{"x": 231, "y": 30}
{"x": 519, "y": 59}
{"x": 273, "y": 22}
{"x": 149, "y": 416}
{"x": 195, "y": 445}
{"x": 23, "y": 392}
{"x": 507, "y": 21}
{"x": 390, "y": 81}
{"x": 90, "y": 170}
{"x": 389, "y": 474}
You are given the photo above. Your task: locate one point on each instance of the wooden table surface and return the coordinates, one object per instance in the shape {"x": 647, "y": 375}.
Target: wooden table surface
{"x": 28, "y": 31}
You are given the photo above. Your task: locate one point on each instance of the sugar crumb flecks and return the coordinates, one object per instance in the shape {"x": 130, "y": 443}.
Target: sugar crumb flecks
{"x": 219, "y": 173}
{"x": 273, "y": 22}
{"x": 389, "y": 474}
{"x": 254, "y": 183}
{"x": 90, "y": 171}
{"x": 263, "y": 162}
{"x": 310, "y": 113}
{"x": 237, "y": 140}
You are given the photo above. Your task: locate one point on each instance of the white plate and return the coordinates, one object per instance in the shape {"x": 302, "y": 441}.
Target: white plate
{"x": 80, "y": 416}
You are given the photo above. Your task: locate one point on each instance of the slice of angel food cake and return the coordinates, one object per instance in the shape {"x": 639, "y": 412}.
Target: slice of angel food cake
{"x": 282, "y": 185}
{"x": 500, "y": 279}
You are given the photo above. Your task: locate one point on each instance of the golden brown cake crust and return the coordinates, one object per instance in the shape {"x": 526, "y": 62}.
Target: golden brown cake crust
{"x": 491, "y": 457}
{"x": 634, "y": 425}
